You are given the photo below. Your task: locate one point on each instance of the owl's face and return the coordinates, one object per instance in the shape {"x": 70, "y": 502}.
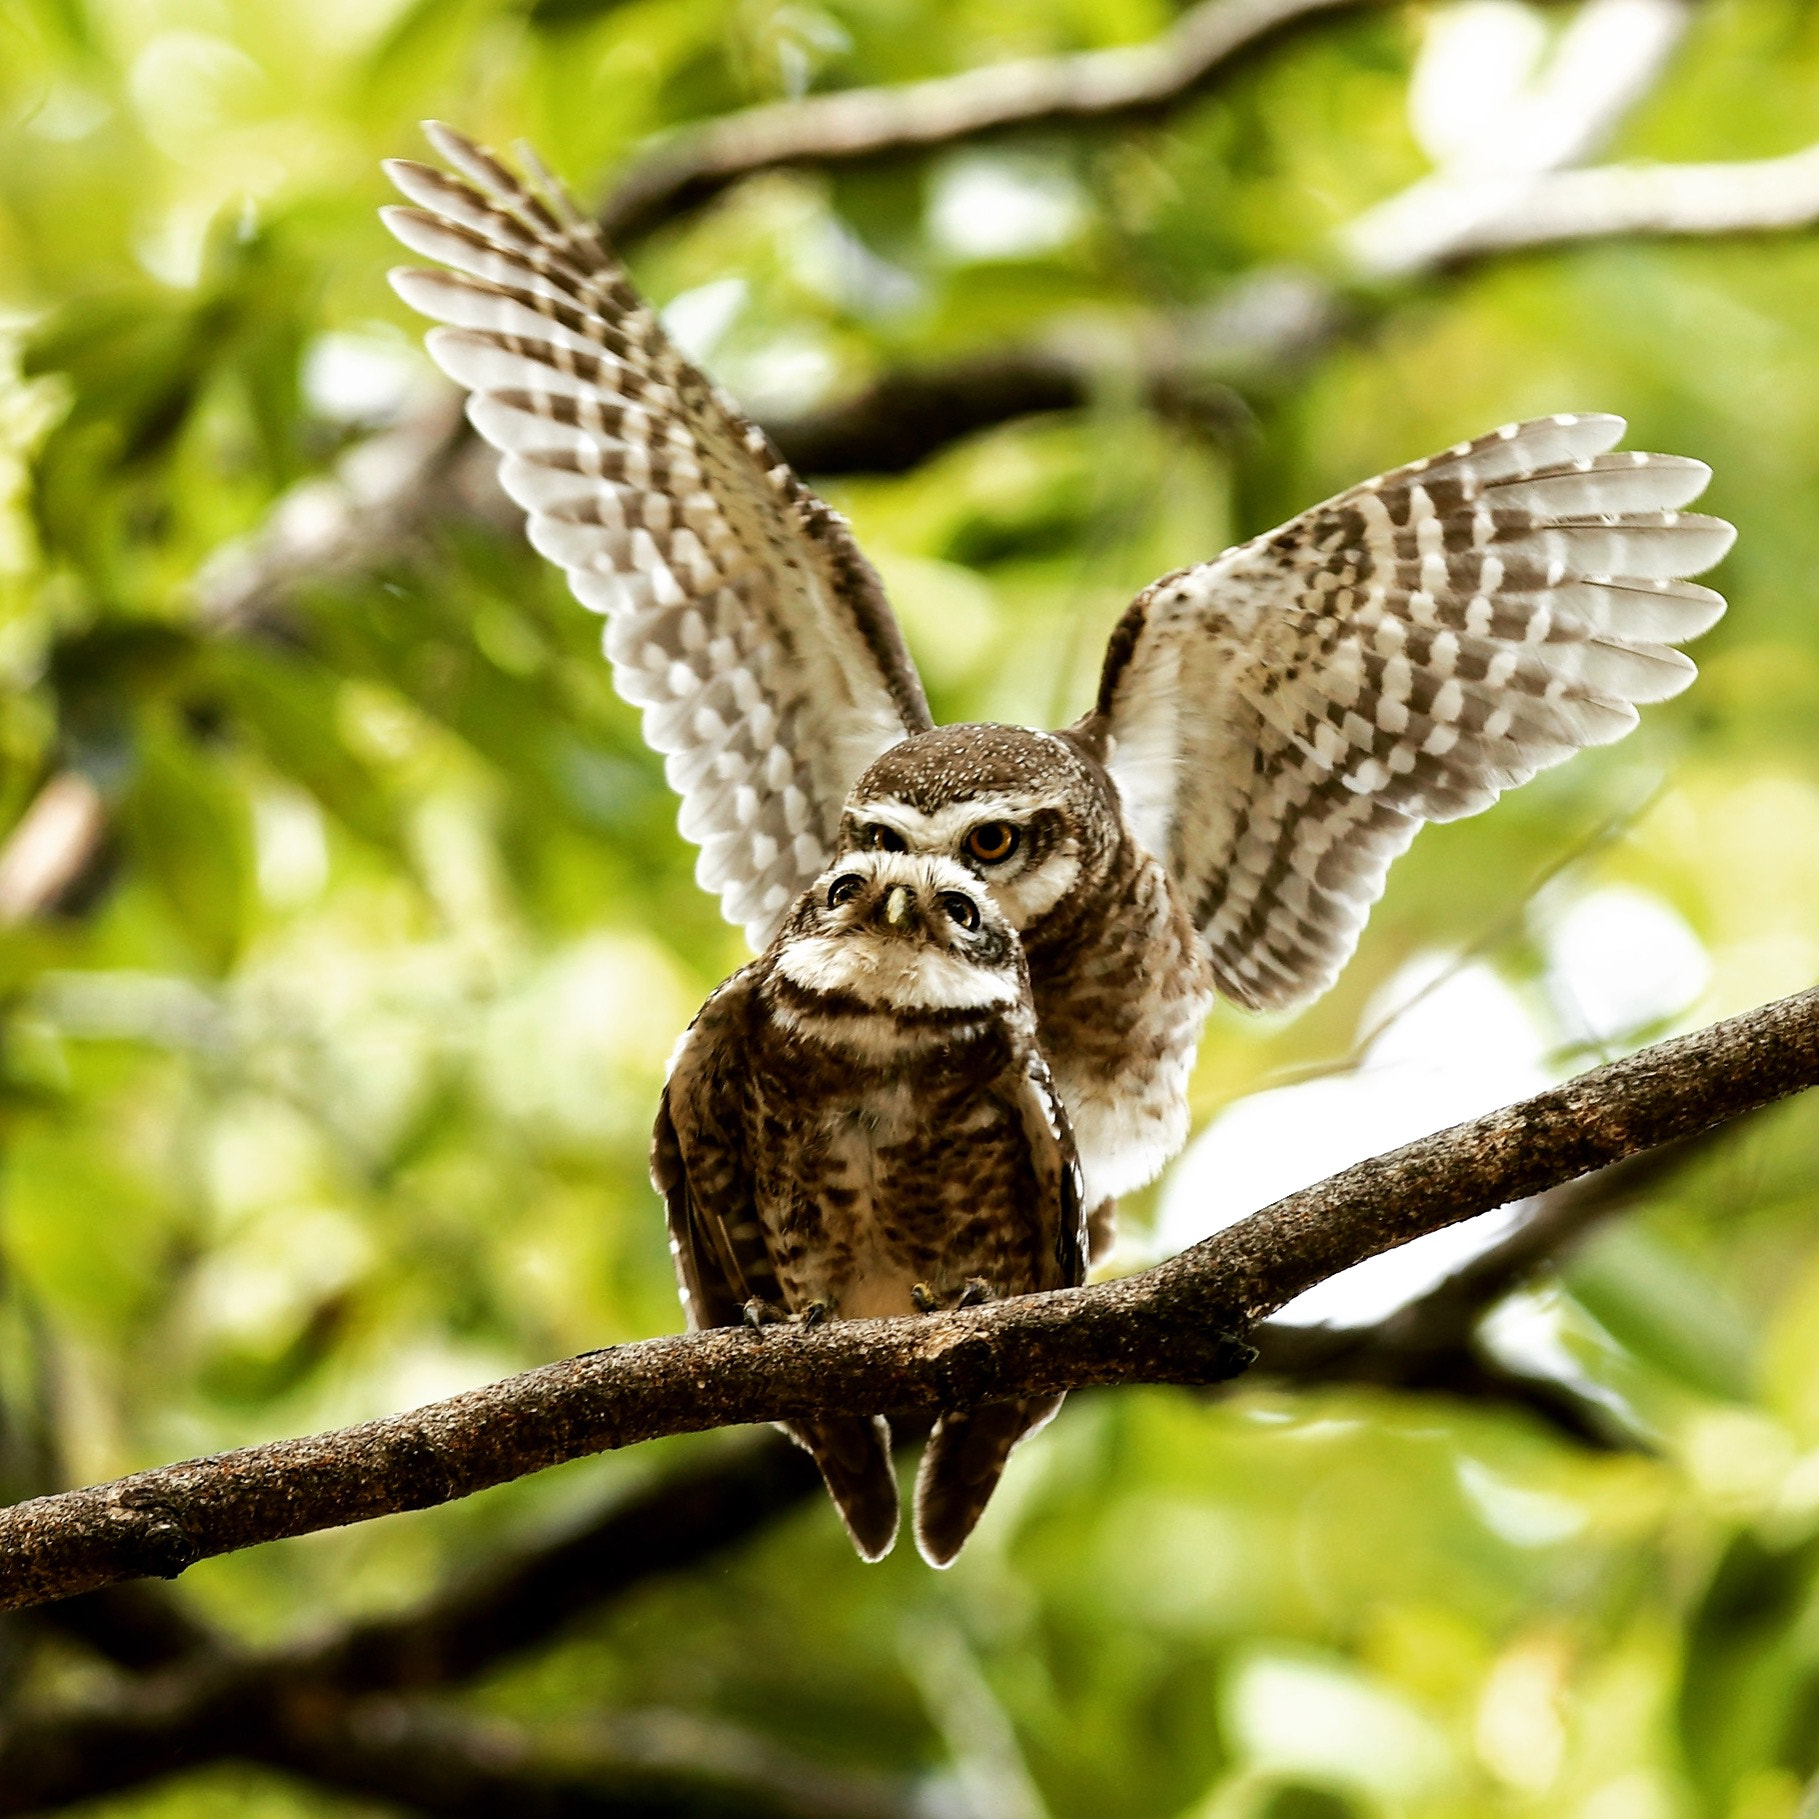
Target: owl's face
{"x": 1024, "y": 813}
{"x": 901, "y": 932}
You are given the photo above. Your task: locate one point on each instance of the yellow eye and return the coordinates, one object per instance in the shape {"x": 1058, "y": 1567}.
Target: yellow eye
{"x": 993, "y": 841}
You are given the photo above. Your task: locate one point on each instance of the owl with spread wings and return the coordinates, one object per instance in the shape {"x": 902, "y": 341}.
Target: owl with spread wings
{"x": 1271, "y": 725}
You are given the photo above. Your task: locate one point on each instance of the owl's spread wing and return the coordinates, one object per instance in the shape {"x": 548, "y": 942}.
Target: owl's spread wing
{"x": 740, "y": 614}
{"x": 699, "y": 1166}
{"x": 1057, "y": 1169}
{"x": 1281, "y": 720}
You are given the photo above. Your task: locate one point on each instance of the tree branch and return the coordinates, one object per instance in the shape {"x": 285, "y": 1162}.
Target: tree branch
{"x": 519, "y": 1603}
{"x": 1181, "y": 1322}
{"x": 870, "y": 125}
{"x": 1622, "y": 201}
{"x": 433, "y": 1761}
{"x": 1431, "y": 1345}
{"x": 426, "y": 1760}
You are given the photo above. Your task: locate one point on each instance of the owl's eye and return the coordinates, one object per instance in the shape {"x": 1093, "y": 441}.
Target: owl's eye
{"x": 993, "y": 841}
{"x": 883, "y": 839}
{"x": 961, "y": 909}
{"x": 844, "y": 889}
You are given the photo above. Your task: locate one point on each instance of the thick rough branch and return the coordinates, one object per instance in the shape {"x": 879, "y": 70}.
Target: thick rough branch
{"x": 866, "y": 125}
{"x": 1181, "y": 1322}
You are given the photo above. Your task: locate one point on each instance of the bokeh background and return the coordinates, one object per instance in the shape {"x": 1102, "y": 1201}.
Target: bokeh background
{"x": 346, "y": 929}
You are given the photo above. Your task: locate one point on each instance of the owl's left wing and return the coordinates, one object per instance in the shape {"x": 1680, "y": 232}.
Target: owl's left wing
{"x": 1057, "y": 1169}
{"x": 740, "y": 614}
{"x": 1281, "y": 720}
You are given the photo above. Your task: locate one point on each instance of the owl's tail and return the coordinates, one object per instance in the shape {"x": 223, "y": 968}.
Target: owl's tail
{"x": 961, "y": 1467}
{"x": 854, "y": 1454}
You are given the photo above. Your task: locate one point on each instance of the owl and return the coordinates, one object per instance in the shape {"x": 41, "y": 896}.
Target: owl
{"x": 1271, "y": 726}
{"x": 859, "y": 1124}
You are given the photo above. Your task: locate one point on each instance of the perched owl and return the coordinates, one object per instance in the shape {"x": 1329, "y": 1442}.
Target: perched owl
{"x": 859, "y": 1124}
{"x": 1271, "y": 726}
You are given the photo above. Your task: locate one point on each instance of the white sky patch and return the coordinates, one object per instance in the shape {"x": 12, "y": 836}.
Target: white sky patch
{"x": 992, "y": 206}
{"x": 356, "y": 378}
{"x": 1466, "y": 1048}
{"x": 836, "y": 264}
{"x": 1475, "y": 67}
{"x": 1620, "y": 960}
{"x": 291, "y": 846}
{"x": 697, "y": 320}
{"x": 1525, "y": 1331}
{"x": 1326, "y": 1722}
{"x": 1522, "y": 1517}
{"x": 790, "y": 373}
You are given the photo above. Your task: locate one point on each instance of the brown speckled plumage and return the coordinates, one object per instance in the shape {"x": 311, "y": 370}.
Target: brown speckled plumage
{"x": 835, "y": 1144}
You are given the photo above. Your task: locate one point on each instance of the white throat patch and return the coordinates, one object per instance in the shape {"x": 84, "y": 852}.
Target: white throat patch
{"x": 894, "y": 974}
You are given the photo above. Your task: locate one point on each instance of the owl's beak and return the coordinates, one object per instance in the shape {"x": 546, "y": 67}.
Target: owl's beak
{"x": 897, "y": 905}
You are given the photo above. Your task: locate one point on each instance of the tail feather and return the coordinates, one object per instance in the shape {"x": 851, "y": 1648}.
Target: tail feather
{"x": 962, "y": 1464}
{"x": 854, "y": 1454}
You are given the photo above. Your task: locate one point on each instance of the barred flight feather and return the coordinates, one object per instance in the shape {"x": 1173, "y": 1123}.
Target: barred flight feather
{"x": 740, "y": 615}
{"x": 1280, "y": 720}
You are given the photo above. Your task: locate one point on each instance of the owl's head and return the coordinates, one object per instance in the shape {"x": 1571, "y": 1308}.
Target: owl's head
{"x": 1026, "y": 814}
{"x": 901, "y": 932}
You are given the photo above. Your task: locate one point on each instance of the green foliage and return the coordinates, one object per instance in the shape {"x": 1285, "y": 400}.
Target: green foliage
{"x": 333, "y": 1095}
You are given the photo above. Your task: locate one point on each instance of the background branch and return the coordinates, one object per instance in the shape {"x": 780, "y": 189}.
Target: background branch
{"x": 1618, "y": 201}
{"x": 868, "y": 125}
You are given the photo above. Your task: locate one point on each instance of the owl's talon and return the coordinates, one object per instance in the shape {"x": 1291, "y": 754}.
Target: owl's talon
{"x": 976, "y": 1293}
{"x": 925, "y": 1298}
{"x": 813, "y": 1314}
{"x": 759, "y": 1313}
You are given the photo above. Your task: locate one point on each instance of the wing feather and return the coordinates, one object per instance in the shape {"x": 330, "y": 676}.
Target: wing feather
{"x": 1057, "y": 1169}
{"x": 741, "y": 616}
{"x": 699, "y": 1166}
{"x": 1282, "y": 719}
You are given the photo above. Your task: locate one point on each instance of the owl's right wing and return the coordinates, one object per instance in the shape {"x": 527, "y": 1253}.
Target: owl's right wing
{"x": 1280, "y": 721}
{"x": 741, "y": 615}
{"x": 1056, "y": 1165}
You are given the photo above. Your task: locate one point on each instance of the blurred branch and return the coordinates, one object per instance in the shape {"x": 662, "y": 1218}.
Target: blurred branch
{"x": 328, "y": 1710}
{"x": 135, "y": 1626}
{"x": 421, "y": 1759}
{"x": 1183, "y": 1321}
{"x": 1607, "y": 61}
{"x": 1617, "y": 201}
{"x": 676, "y": 1523}
{"x": 428, "y": 1760}
{"x": 869, "y": 125}
{"x": 1432, "y": 1344}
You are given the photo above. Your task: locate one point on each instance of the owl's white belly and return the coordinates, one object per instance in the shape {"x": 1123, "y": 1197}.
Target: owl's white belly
{"x": 1120, "y": 1023}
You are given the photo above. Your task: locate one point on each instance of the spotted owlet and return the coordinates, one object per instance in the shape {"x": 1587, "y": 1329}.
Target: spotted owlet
{"x": 1271, "y": 727}
{"x": 859, "y": 1124}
